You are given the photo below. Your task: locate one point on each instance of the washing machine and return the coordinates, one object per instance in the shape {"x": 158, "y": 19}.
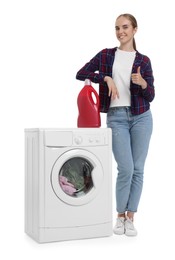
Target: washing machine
{"x": 68, "y": 186}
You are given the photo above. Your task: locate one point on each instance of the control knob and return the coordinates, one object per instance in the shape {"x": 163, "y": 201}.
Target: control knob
{"x": 78, "y": 139}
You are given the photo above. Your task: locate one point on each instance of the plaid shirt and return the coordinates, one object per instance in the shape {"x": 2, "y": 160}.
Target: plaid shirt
{"x": 101, "y": 65}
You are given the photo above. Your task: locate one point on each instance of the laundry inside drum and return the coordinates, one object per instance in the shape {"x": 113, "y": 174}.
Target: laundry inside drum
{"x": 75, "y": 176}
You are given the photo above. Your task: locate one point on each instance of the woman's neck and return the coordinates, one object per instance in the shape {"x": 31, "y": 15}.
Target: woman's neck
{"x": 126, "y": 48}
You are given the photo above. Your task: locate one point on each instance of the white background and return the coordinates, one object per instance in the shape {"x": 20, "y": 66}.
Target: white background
{"x": 42, "y": 46}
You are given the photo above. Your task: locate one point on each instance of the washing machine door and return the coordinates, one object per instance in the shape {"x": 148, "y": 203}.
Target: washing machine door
{"x": 77, "y": 176}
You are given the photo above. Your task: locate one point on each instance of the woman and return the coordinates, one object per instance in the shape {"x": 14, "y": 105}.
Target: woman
{"x": 126, "y": 89}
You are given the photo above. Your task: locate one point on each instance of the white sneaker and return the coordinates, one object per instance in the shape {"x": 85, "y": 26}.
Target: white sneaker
{"x": 119, "y": 228}
{"x": 130, "y": 230}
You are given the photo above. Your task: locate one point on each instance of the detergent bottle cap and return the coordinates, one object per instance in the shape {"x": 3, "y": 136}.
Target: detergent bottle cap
{"x": 87, "y": 82}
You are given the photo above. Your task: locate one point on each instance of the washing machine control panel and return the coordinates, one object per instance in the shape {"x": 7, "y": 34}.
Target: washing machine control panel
{"x": 92, "y": 139}
{"x": 76, "y": 137}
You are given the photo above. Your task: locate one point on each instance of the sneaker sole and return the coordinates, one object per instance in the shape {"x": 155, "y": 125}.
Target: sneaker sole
{"x": 119, "y": 233}
{"x": 130, "y": 234}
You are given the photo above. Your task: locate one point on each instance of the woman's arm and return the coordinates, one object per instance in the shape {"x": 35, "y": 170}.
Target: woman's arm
{"x": 91, "y": 70}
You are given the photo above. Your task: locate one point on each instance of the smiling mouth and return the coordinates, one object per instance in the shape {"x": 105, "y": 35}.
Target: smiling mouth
{"x": 121, "y": 37}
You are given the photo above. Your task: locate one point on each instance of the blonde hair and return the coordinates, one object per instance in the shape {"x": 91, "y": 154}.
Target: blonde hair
{"x": 133, "y": 21}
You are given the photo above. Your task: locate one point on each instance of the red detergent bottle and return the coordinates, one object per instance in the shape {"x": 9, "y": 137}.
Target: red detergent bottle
{"x": 89, "y": 113}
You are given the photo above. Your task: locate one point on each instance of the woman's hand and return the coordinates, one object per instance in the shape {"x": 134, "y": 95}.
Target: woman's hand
{"x": 113, "y": 91}
{"x": 137, "y": 79}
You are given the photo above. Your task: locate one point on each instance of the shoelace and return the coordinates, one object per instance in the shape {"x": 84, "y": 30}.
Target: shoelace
{"x": 129, "y": 224}
{"x": 120, "y": 222}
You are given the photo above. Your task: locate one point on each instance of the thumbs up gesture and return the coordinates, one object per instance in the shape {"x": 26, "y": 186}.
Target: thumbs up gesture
{"x": 137, "y": 79}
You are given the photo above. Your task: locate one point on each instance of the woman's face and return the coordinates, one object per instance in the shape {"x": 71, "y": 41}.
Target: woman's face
{"x": 124, "y": 30}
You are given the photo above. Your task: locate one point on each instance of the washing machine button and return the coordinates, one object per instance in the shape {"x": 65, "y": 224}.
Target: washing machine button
{"x": 78, "y": 140}
{"x": 91, "y": 140}
{"x": 97, "y": 140}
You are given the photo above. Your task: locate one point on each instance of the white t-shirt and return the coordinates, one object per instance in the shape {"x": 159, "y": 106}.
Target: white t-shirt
{"x": 121, "y": 74}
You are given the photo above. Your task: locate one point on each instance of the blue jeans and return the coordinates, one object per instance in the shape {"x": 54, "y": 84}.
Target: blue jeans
{"x": 130, "y": 141}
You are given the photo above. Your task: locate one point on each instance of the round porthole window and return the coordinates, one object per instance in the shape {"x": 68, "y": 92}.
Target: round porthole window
{"x": 75, "y": 177}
